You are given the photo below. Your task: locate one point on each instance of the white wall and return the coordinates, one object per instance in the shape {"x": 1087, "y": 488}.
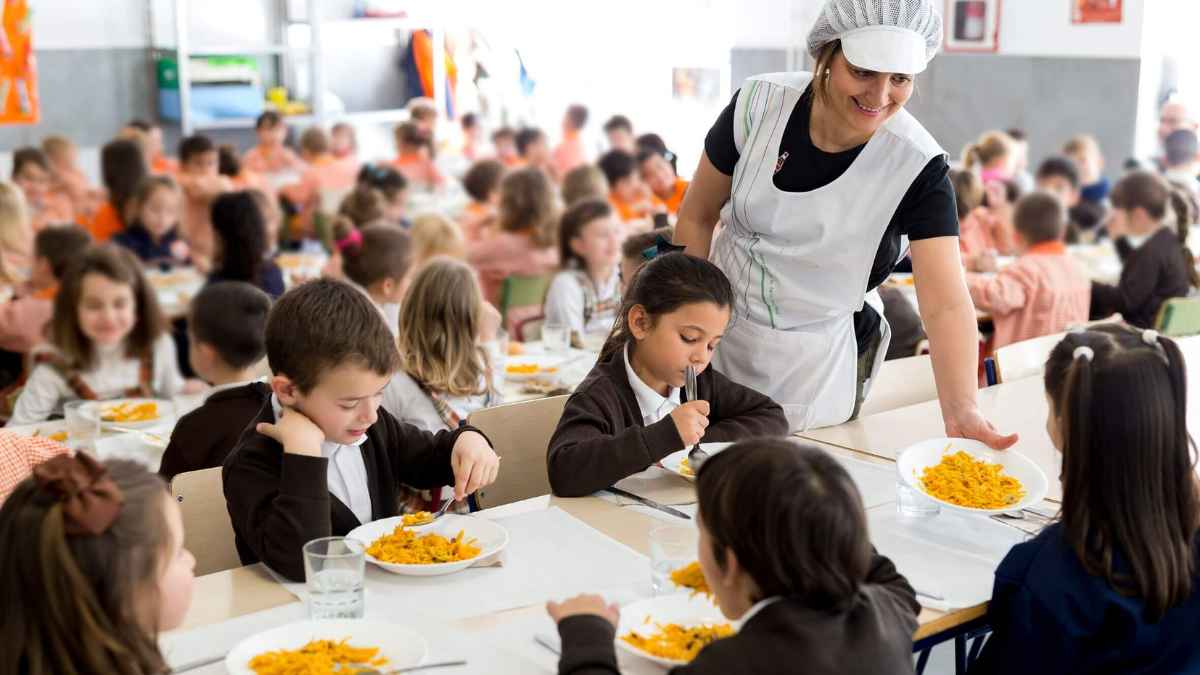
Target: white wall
{"x": 90, "y": 24}
{"x": 1044, "y": 28}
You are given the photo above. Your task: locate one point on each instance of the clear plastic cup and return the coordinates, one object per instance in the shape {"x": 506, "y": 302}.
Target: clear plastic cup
{"x": 334, "y": 570}
{"x": 82, "y": 420}
{"x": 556, "y": 337}
{"x": 671, "y": 547}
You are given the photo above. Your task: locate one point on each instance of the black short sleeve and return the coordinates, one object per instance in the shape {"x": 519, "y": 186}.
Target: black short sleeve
{"x": 928, "y": 209}
{"x": 719, "y": 144}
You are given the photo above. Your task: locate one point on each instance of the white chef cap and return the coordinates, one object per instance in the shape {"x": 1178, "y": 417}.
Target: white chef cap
{"x": 886, "y": 36}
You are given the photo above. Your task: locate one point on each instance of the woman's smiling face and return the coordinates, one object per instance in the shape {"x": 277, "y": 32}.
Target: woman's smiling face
{"x": 864, "y": 99}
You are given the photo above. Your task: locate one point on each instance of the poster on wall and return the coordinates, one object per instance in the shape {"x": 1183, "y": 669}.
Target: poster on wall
{"x": 1096, "y": 11}
{"x": 18, "y": 70}
{"x": 972, "y": 25}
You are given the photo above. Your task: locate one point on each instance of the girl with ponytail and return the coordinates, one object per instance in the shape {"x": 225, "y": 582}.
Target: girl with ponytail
{"x": 1149, "y": 222}
{"x": 1112, "y": 586}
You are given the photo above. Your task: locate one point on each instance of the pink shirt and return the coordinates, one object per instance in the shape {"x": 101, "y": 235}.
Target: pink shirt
{"x": 19, "y": 454}
{"x": 505, "y": 254}
{"x": 568, "y": 155}
{"x": 273, "y": 160}
{"x": 1042, "y": 292}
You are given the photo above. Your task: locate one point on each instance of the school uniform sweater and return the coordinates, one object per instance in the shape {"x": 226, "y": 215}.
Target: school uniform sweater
{"x": 601, "y": 438}
{"x": 1151, "y": 274}
{"x": 203, "y": 438}
{"x": 872, "y": 635}
{"x": 141, "y": 243}
{"x": 278, "y": 501}
{"x": 1048, "y": 615}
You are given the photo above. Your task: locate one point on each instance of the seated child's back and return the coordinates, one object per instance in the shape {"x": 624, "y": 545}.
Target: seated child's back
{"x": 226, "y": 329}
{"x": 1044, "y": 291}
{"x": 783, "y": 547}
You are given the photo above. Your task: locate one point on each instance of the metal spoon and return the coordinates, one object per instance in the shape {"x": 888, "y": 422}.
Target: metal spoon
{"x": 427, "y": 666}
{"x": 696, "y": 456}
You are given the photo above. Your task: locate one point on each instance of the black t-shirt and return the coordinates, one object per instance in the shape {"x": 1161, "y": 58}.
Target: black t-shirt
{"x": 927, "y": 209}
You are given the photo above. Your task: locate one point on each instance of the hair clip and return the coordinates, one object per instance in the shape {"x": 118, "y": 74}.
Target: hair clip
{"x": 661, "y": 247}
{"x": 90, "y": 500}
{"x": 354, "y": 239}
{"x": 1084, "y": 351}
{"x": 1150, "y": 337}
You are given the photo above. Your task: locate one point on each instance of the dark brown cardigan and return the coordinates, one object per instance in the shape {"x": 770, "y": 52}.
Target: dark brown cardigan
{"x": 600, "y": 438}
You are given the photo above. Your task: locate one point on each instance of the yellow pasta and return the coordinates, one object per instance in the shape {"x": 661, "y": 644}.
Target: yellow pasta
{"x": 691, "y": 576}
{"x": 418, "y": 518}
{"x": 318, "y": 657}
{"x": 404, "y": 547}
{"x": 962, "y": 480}
{"x": 681, "y": 643}
{"x": 130, "y": 412}
{"x": 685, "y": 467}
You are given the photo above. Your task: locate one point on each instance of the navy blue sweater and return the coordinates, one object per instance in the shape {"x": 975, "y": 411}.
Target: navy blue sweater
{"x": 1050, "y": 616}
{"x": 137, "y": 239}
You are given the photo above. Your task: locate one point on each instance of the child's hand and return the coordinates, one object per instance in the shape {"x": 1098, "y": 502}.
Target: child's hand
{"x": 180, "y": 250}
{"x": 295, "y": 432}
{"x": 582, "y": 605}
{"x": 691, "y": 419}
{"x": 475, "y": 464}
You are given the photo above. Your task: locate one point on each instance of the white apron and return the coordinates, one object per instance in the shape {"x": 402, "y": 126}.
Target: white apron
{"x": 799, "y": 262}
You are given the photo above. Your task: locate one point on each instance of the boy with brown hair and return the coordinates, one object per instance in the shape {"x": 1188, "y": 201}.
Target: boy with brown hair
{"x": 322, "y": 458}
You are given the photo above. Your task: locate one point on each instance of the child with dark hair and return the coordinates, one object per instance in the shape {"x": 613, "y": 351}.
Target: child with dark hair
{"x": 1044, "y": 291}
{"x": 570, "y": 152}
{"x": 472, "y": 134}
{"x": 323, "y": 457}
{"x": 1114, "y": 585}
{"x": 619, "y": 132}
{"x": 504, "y": 144}
{"x": 414, "y": 158}
{"x": 201, "y": 183}
{"x": 1149, "y": 221}
{"x": 392, "y": 186}
{"x": 376, "y": 258}
{"x": 584, "y": 182}
{"x": 153, "y": 233}
{"x": 159, "y": 162}
{"x": 639, "y": 248}
{"x": 630, "y": 412}
{"x": 241, "y": 253}
{"x": 107, "y": 337}
{"x": 534, "y": 150}
{"x": 586, "y": 294}
{"x": 226, "y": 329}
{"x": 242, "y": 178}
{"x": 482, "y": 183}
{"x": 24, "y": 318}
{"x": 783, "y": 545}
{"x": 658, "y": 173}
{"x": 122, "y": 167}
{"x": 629, "y": 196}
{"x": 49, "y": 204}
{"x": 1060, "y": 177}
{"x": 271, "y": 155}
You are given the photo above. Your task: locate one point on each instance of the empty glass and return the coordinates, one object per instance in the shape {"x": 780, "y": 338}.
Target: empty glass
{"x": 82, "y": 420}
{"x": 334, "y": 568}
{"x": 671, "y": 547}
{"x": 556, "y": 337}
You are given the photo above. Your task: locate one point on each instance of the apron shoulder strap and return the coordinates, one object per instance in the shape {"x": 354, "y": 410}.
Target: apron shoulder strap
{"x": 753, "y": 101}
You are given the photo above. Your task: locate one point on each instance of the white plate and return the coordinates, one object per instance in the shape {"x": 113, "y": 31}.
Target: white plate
{"x": 912, "y": 461}
{"x": 674, "y": 461}
{"x": 681, "y": 608}
{"x": 402, "y": 647}
{"x": 491, "y": 539}
{"x": 542, "y": 361}
{"x": 166, "y": 412}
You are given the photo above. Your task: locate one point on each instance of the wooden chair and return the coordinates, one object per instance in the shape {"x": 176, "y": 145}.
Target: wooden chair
{"x": 1026, "y": 358}
{"x": 1179, "y": 317}
{"x": 900, "y": 383}
{"x": 521, "y": 297}
{"x": 207, "y": 530}
{"x": 520, "y": 432}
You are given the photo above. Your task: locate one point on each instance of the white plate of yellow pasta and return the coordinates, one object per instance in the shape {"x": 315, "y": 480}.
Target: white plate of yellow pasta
{"x": 677, "y": 462}
{"x": 450, "y": 544}
{"x": 670, "y": 629}
{"x": 306, "y": 646}
{"x": 968, "y": 476}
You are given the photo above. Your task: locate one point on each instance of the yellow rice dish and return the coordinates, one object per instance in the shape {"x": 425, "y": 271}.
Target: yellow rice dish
{"x": 418, "y": 518}
{"x": 962, "y": 480}
{"x": 404, "y": 547}
{"x": 318, "y": 657}
{"x": 130, "y": 412}
{"x": 685, "y": 468}
{"x": 680, "y": 643}
{"x": 690, "y": 576}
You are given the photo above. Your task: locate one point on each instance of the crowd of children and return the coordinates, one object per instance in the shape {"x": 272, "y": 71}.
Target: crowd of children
{"x": 375, "y": 368}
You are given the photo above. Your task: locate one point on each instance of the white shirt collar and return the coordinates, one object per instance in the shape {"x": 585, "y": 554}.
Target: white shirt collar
{"x": 755, "y": 609}
{"x": 653, "y": 405}
{"x": 233, "y": 385}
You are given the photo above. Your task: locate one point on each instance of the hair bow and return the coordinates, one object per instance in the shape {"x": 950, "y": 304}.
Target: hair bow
{"x": 90, "y": 500}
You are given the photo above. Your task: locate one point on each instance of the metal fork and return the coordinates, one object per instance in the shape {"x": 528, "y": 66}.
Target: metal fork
{"x": 696, "y": 456}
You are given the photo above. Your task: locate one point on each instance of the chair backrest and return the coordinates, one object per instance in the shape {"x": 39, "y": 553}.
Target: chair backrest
{"x": 522, "y": 292}
{"x": 1026, "y": 358}
{"x": 207, "y": 530}
{"x": 521, "y": 433}
{"x": 1179, "y": 317}
{"x": 899, "y": 383}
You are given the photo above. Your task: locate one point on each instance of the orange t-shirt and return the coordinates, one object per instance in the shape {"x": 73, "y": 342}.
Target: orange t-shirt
{"x": 419, "y": 169}
{"x": 105, "y": 223}
{"x": 271, "y": 160}
{"x": 672, "y": 203}
{"x": 164, "y": 166}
